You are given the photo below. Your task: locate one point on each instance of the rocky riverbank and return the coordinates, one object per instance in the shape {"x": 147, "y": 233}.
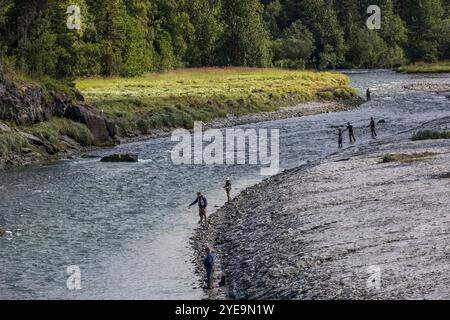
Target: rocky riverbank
{"x": 329, "y": 227}
{"x": 429, "y": 87}
{"x": 41, "y": 124}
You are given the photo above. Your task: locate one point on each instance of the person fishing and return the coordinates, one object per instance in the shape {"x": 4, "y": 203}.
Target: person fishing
{"x": 227, "y": 188}
{"x": 368, "y": 94}
{"x": 339, "y": 134}
{"x": 350, "y": 132}
{"x": 372, "y": 128}
{"x": 208, "y": 263}
{"x": 202, "y": 204}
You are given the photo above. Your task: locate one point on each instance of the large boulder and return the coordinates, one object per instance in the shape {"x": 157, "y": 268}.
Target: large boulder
{"x": 4, "y": 127}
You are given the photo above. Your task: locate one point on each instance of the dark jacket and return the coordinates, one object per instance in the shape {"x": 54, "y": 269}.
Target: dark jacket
{"x": 202, "y": 202}
{"x": 209, "y": 261}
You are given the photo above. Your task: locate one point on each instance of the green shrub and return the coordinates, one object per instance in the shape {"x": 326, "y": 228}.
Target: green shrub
{"x": 178, "y": 98}
{"x": 431, "y": 135}
{"x": 143, "y": 126}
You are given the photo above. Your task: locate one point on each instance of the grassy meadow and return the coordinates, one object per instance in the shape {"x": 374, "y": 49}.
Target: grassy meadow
{"x": 180, "y": 97}
{"x": 422, "y": 67}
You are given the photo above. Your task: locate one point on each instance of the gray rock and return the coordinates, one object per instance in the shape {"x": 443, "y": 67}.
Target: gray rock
{"x": 120, "y": 158}
{"x": 4, "y": 127}
{"x": 33, "y": 139}
{"x": 69, "y": 143}
{"x": 89, "y": 156}
{"x": 39, "y": 142}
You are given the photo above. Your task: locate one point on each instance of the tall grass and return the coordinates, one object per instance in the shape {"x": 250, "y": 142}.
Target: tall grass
{"x": 180, "y": 97}
{"x": 52, "y": 131}
{"x": 11, "y": 142}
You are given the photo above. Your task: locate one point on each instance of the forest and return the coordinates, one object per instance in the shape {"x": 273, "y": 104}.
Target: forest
{"x": 130, "y": 37}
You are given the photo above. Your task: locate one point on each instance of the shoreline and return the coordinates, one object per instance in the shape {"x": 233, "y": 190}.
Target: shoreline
{"x": 309, "y": 108}
{"x": 300, "y": 110}
{"x": 319, "y": 243}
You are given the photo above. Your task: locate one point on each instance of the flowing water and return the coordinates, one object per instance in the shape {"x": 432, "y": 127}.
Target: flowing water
{"x": 127, "y": 226}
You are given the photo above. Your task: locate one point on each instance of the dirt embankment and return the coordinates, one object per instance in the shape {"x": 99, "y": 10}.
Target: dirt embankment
{"x": 345, "y": 227}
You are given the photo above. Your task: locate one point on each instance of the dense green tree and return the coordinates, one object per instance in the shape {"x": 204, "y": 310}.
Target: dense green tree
{"x": 271, "y": 14}
{"x": 320, "y": 18}
{"x": 245, "y": 40}
{"x": 373, "y": 48}
{"x": 423, "y": 18}
{"x": 110, "y": 18}
{"x": 129, "y": 37}
{"x": 294, "y": 48}
{"x": 205, "y": 16}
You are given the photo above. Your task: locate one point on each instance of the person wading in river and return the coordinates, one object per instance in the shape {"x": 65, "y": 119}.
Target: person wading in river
{"x": 208, "y": 263}
{"x": 372, "y": 128}
{"x": 227, "y": 188}
{"x": 339, "y": 134}
{"x": 202, "y": 204}
{"x": 368, "y": 94}
{"x": 351, "y": 134}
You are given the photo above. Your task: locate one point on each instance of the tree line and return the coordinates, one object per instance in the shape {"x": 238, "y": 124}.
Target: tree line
{"x": 130, "y": 37}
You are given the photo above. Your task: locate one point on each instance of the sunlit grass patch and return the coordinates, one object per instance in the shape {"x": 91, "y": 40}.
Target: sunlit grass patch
{"x": 180, "y": 97}
{"x": 11, "y": 142}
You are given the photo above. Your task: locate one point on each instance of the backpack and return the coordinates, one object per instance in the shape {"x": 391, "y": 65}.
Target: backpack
{"x": 209, "y": 261}
{"x": 202, "y": 202}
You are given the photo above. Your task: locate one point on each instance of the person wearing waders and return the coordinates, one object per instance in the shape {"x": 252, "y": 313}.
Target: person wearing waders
{"x": 368, "y": 94}
{"x": 202, "y": 204}
{"x": 227, "y": 188}
{"x": 339, "y": 134}
{"x": 351, "y": 134}
{"x": 209, "y": 267}
{"x": 372, "y": 128}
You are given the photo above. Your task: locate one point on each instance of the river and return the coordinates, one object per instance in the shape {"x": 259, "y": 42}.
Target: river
{"x": 127, "y": 226}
